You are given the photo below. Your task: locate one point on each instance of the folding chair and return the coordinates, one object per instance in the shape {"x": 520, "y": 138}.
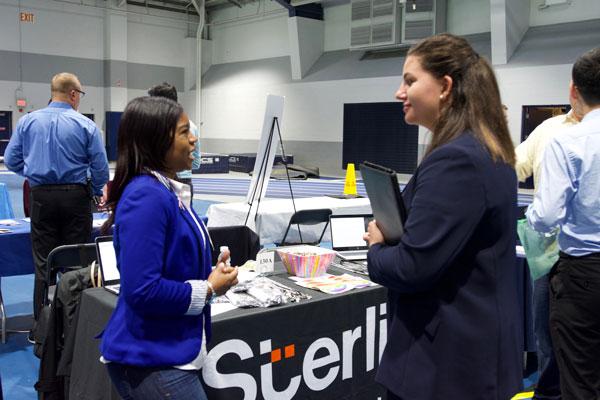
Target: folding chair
{"x": 307, "y": 217}
{"x": 54, "y": 330}
{"x": 65, "y": 258}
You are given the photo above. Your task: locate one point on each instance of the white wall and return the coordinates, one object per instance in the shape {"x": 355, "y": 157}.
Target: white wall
{"x": 313, "y": 111}
{"x": 532, "y": 86}
{"x": 337, "y": 27}
{"x": 59, "y": 29}
{"x": 251, "y": 40}
{"x": 37, "y": 95}
{"x": 152, "y": 41}
{"x": 257, "y": 30}
{"x": 465, "y": 17}
{"x": 578, "y": 10}
{"x": 76, "y": 30}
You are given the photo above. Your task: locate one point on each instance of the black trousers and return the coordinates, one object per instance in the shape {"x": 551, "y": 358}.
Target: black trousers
{"x": 575, "y": 324}
{"x": 60, "y": 214}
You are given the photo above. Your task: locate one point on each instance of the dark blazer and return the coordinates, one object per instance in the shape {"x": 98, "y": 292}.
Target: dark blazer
{"x": 453, "y": 317}
{"x": 158, "y": 248}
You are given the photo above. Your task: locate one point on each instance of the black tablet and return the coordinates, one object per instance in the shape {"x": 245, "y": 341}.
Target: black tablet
{"x": 388, "y": 208}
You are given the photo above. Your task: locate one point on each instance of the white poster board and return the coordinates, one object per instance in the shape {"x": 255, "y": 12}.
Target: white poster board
{"x": 269, "y": 142}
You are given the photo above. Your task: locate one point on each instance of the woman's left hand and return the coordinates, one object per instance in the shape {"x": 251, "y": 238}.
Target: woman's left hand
{"x": 373, "y": 234}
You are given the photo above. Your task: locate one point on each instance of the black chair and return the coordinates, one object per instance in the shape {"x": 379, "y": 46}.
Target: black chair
{"x": 307, "y": 217}
{"x": 53, "y": 332}
{"x": 65, "y": 258}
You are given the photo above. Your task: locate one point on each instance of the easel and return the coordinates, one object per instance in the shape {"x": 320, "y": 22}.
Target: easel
{"x": 262, "y": 176}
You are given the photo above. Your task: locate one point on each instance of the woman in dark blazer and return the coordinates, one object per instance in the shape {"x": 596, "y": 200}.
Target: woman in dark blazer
{"x": 155, "y": 341}
{"x": 454, "y": 323}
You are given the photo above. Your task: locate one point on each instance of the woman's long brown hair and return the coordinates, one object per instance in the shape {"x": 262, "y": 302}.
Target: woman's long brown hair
{"x": 474, "y": 103}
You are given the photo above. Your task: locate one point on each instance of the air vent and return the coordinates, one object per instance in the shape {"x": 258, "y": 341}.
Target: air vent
{"x": 383, "y": 8}
{"x": 415, "y": 30}
{"x": 361, "y": 36}
{"x": 382, "y": 33}
{"x": 381, "y": 24}
{"x": 373, "y": 23}
{"x": 361, "y": 10}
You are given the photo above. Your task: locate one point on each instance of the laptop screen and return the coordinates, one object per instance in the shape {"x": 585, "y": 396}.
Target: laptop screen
{"x": 108, "y": 261}
{"x": 347, "y": 231}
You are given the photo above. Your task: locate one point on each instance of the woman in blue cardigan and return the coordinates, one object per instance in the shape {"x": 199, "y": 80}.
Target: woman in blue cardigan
{"x": 155, "y": 341}
{"x": 454, "y": 326}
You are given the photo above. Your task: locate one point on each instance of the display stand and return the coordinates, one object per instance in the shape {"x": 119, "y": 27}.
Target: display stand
{"x": 265, "y": 157}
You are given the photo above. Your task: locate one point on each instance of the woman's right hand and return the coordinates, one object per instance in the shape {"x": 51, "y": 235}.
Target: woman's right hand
{"x": 223, "y": 277}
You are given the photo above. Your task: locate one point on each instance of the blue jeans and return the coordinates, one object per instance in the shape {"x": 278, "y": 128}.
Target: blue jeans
{"x": 548, "y": 386}
{"x": 138, "y": 383}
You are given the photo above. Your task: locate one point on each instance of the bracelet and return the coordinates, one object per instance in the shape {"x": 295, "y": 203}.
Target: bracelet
{"x": 213, "y": 292}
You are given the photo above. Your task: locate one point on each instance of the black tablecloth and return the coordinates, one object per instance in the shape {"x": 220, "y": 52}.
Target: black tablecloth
{"x": 270, "y": 350}
{"x": 344, "y": 331}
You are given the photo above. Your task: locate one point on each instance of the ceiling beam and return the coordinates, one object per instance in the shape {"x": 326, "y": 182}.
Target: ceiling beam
{"x": 147, "y": 4}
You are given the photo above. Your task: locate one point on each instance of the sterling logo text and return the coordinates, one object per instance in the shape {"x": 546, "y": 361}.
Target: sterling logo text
{"x": 333, "y": 363}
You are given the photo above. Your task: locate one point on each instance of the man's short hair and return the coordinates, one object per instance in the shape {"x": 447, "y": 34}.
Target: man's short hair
{"x": 163, "y": 90}
{"x": 586, "y": 76}
{"x": 64, "y": 82}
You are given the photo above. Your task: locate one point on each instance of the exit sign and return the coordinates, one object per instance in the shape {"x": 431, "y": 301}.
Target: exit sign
{"x": 27, "y": 17}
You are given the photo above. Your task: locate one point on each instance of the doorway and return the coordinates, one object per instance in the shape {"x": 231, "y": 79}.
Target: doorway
{"x": 532, "y": 116}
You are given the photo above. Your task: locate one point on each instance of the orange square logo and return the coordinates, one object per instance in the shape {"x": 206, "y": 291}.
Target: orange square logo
{"x": 276, "y": 355}
{"x": 290, "y": 351}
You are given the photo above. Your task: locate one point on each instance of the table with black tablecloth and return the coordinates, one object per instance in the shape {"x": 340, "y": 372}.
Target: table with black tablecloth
{"x": 323, "y": 348}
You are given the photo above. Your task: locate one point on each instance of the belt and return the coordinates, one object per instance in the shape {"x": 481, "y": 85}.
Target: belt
{"x": 69, "y": 186}
{"x": 566, "y": 256}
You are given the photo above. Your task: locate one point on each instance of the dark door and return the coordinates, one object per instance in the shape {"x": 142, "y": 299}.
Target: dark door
{"x": 90, "y": 116}
{"x": 112, "y": 128}
{"x": 5, "y": 130}
{"x": 533, "y": 116}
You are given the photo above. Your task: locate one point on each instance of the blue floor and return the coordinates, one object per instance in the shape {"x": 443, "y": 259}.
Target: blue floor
{"x": 18, "y": 366}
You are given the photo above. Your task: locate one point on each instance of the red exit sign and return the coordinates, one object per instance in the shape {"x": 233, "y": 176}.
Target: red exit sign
{"x": 27, "y": 17}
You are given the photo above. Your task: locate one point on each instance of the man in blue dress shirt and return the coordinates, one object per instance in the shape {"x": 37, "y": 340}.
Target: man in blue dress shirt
{"x": 57, "y": 149}
{"x": 569, "y": 197}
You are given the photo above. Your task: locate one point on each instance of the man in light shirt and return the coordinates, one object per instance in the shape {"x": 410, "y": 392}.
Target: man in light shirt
{"x": 568, "y": 196}
{"x": 529, "y": 160}
{"x": 531, "y": 151}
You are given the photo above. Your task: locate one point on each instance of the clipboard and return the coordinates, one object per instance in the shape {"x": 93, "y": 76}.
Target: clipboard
{"x": 388, "y": 208}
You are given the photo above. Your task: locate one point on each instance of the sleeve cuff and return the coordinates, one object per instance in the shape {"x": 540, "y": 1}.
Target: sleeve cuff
{"x": 198, "y": 300}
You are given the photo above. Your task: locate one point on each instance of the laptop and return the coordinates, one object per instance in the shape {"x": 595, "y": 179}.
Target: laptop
{"x": 347, "y": 235}
{"x": 107, "y": 261}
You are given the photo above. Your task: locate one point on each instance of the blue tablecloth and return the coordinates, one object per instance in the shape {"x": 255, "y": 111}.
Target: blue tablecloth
{"x": 15, "y": 247}
{"x": 6, "y": 210}
{"x": 15, "y": 250}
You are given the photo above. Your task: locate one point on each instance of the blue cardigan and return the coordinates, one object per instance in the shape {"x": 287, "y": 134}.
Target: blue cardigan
{"x": 454, "y": 324}
{"x": 158, "y": 248}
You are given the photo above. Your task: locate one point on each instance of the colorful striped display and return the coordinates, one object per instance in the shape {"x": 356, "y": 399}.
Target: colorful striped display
{"x": 306, "y": 261}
